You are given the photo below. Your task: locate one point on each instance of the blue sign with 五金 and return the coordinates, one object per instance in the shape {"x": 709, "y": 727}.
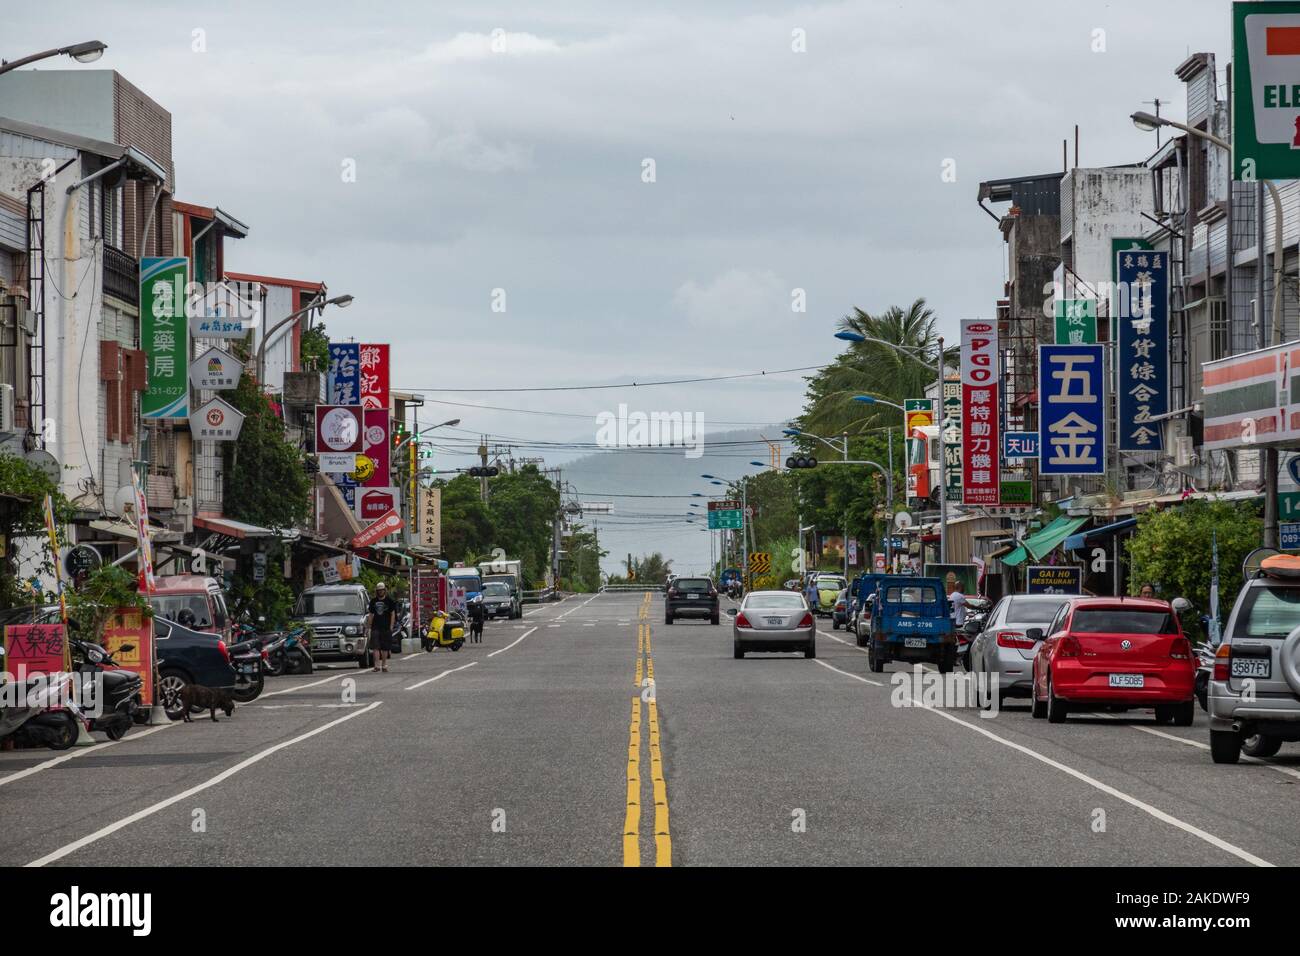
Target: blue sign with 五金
{"x": 1071, "y": 410}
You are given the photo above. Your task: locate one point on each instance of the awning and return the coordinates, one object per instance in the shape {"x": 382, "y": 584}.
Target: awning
{"x": 1045, "y": 540}
{"x": 1077, "y": 542}
{"x": 231, "y": 528}
{"x": 126, "y": 529}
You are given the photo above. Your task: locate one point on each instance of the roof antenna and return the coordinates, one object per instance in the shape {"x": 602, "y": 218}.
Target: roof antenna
{"x": 1157, "y": 103}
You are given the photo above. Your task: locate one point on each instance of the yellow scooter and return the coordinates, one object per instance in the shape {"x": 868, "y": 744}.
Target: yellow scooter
{"x": 445, "y": 630}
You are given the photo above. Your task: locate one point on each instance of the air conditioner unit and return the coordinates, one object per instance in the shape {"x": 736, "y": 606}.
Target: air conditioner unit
{"x": 6, "y": 409}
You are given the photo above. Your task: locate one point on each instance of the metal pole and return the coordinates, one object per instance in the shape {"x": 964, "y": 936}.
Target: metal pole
{"x": 1268, "y": 456}
{"x": 889, "y": 512}
{"x": 844, "y": 437}
{"x": 744, "y": 533}
{"x": 943, "y": 469}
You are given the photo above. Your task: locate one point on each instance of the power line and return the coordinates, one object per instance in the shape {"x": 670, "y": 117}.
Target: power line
{"x": 592, "y": 388}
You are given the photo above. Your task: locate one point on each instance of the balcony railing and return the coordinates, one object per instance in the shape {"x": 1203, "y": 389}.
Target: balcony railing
{"x": 121, "y": 276}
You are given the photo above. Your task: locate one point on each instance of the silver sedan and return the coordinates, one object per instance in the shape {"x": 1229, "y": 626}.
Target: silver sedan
{"x": 773, "y": 621}
{"x": 1005, "y": 647}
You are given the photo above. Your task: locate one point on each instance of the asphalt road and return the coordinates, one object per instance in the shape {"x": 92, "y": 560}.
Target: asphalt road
{"x": 592, "y": 733}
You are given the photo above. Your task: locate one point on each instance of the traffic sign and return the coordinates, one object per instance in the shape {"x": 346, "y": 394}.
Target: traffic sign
{"x": 918, "y": 413}
{"x": 1289, "y": 536}
{"x": 724, "y": 520}
{"x": 760, "y": 562}
{"x": 1293, "y": 466}
{"x": 1288, "y": 505}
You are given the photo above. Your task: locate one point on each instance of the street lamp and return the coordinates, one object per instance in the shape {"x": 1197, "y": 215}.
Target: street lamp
{"x": 87, "y": 52}
{"x": 342, "y": 301}
{"x": 848, "y": 335}
{"x": 1149, "y": 123}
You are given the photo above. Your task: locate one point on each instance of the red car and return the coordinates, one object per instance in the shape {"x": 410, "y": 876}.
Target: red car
{"x": 1108, "y": 652}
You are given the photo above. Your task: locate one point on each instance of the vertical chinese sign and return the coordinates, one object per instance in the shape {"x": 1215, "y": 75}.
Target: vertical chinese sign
{"x": 951, "y": 426}
{"x": 1071, "y": 393}
{"x": 343, "y": 386}
{"x": 374, "y": 376}
{"x": 165, "y": 337}
{"x": 1142, "y": 360}
{"x": 1076, "y": 321}
{"x": 981, "y": 445}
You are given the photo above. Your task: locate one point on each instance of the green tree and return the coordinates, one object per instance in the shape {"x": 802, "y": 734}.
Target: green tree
{"x": 522, "y": 507}
{"x": 580, "y": 567}
{"x": 314, "y": 349}
{"x": 466, "y": 524}
{"x": 266, "y": 480}
{"x": 1171, "y": 548}
{"x": 652, "y": 568}
{"x": 105, "y": 589}
{"x": 22, "y": 514}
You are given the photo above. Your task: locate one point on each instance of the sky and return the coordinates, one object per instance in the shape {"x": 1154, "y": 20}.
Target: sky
{"x": 475, "y": 173}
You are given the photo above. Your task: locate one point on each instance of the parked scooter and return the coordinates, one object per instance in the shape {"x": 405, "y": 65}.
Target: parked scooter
{"x": 445, "y": 630}
{"x": 113, "y": 705}
{"x": 39, "y": 712}
{"x": 977, "y": 615}
{"x": 246, "y": 659}
{"x": 287, "y": 653}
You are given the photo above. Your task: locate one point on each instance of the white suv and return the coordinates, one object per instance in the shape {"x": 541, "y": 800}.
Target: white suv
{"x": 1254, "y": 692}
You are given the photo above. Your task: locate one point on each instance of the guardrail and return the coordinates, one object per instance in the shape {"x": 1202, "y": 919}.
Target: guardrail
{"x": 636, "y": 588}
{"x": 538, "y": 597}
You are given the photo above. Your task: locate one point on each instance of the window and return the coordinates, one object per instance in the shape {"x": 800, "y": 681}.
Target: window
{"x": 327, "y": 602}
{"x": 776, "y": 601}
{"x": 699, "y": 585}
{"x": 1269, "y": 612}
{"x": 1117, "y": 620}
{"x": 1029, "y": 610}
{"x": 187, "y": 610}
{"x": 910, "y": 595}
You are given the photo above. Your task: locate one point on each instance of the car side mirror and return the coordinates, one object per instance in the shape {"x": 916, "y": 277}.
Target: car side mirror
{"x": 1035, "y": 634}
{"x": 731, "y": 612}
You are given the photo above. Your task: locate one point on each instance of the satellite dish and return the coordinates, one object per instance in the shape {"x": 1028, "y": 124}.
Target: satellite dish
{"x": 902, "y": 520}
{"x": 42, "y": 460}
{"x": 1250, "y": 566}
{"x": 124, "y": 500}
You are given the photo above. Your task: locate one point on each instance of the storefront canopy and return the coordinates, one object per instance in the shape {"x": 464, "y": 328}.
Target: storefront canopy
{"x": 1044, "y": 540}
{"x": 1077, "y": 542}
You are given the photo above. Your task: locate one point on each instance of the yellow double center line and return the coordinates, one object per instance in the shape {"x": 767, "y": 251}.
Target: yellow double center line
{"x": 645, "y": 673}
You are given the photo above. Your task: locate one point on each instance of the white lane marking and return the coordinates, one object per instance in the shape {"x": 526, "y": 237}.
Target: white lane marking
{"x": 55, "y": 761}
{"x": 441, "y": 675}
{"x": 589, "y": 625}
{"x": 514, "y": 642}
{"x": 416, "y": 654}
{"x": 873, "y": 683}
{"x": 315, "y": 683}
{"x": 578, "y": 607}
{"x": 283, "y": 706}
{"x": 845, "y": 643}
{"x": 1105, "y": 788}
{"x": 226, "y": 774}
{"x": 548, "y": 625}
{"x": 1289, "y": 771}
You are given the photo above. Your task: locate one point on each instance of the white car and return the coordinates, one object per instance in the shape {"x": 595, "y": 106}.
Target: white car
{"x": 770, "y": 621}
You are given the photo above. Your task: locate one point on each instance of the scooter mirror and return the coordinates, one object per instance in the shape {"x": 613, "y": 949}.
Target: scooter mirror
{"x": 126, "y": 649}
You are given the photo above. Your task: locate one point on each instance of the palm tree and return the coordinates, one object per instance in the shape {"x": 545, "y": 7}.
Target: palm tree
{"x": 873, "y": 368}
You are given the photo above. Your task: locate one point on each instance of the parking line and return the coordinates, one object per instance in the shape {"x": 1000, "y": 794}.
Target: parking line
{"x": 514, "y": 642}
{"x": 55, "y": 761}
{"x": 1105, "y": 788}
{"x": 873, "y": 683}
{"x": 1289, "y": 771}
{"x": 226, "y": 774}
{"x": 315, "y": 683}
{"x": 441, "y": 675}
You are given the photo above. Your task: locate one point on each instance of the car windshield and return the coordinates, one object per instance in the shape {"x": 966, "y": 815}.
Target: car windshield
{"x": 691, "y": 584}
{"x": 830, "y": 584}
{"x": 330, "y": 603}
{"x": 190, "y": 610}
{"x": 776, "y": 601}
{"x": 470, "y": 582}
{"x": 1028, "y": 610}
{"x": 1115, "y": 620}
{"x": 1269, "y": 612}
{"x": 497, "y": 589}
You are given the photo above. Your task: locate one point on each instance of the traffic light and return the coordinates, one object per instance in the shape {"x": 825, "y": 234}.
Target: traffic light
{"x": 491, "y": 471}
{"x": 399, "y": 434}
{"x": 799, "y": 461}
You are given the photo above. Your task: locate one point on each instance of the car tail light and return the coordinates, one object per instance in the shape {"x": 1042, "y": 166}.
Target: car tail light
{"x": 1181, "y": 649}
{"x": 1221, "y": 662}
{"x": 807, "y": 620}
{"x": 742, "y": 621}
{"x": 225, "y": 651}
{"x": 266, "y": 656}
{"x": 1069, "y": 647}
{"x": 1014, "y": 639}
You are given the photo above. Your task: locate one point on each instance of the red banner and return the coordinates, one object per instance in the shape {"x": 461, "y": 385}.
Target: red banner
{"x": 981, "y": 444}
{"x": 377, "y": 447}
{"x": 130, "y": 626}
{"x": 36, "y": 648}
{"x": 374, "y": 376}
{"x": 381, "y": 529}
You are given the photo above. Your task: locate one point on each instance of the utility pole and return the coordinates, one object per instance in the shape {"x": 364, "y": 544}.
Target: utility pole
{"x": 482, "y": 457}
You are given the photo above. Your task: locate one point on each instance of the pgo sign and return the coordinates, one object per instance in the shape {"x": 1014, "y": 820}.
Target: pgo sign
{"x": 981, "y": 450}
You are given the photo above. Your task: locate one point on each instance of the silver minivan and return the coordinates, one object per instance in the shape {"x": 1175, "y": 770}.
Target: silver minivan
{"x": 1254, "y": 692}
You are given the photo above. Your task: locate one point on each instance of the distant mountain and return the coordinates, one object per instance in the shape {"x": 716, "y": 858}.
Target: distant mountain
{"x": 668, "y": 478}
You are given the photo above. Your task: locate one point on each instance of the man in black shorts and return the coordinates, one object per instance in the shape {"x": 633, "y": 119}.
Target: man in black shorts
{"x": 382, "y": 611}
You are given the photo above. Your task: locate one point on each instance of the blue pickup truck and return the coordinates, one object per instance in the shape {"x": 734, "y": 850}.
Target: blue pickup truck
{"x": 910, "y": 622}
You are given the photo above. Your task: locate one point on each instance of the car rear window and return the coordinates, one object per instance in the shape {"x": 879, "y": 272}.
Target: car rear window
{"x": 912, "y": 595}
{"x": 1269, "y": 612}
{"x": 691, "y": 584}
{"x": 1026, "y": 610}
{"x": 1106, "y": 620}
{"x": 785, "y": 602}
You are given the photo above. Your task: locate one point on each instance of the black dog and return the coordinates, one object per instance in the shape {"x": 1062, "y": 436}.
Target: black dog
{"x": 196, "y": 695}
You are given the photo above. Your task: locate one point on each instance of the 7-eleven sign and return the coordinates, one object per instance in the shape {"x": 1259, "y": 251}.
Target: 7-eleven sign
{"x": 1266, "y": 91}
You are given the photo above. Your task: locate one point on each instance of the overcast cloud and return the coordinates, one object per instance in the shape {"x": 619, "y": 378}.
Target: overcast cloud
{"x": 521, "y": 169}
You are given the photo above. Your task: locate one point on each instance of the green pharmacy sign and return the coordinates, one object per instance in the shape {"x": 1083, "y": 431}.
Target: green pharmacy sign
{"x": 165, "y": 337}
{"x": 1265, "y": 91}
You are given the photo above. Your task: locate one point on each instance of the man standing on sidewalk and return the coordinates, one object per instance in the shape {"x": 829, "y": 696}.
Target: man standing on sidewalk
{"x": 382, "y": 610}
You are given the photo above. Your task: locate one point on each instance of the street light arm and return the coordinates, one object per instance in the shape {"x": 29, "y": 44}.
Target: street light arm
{"x": 90, "y": 51}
